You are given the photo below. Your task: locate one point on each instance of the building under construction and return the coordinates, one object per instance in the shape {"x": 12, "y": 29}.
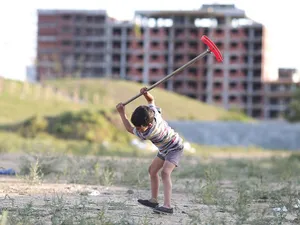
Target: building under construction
{"x": 278, "y": 93}
{"x": 154, "y": 44}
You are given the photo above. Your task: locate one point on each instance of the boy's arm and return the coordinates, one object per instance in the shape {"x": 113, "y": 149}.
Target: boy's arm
{"x": 121, "y": 109}
{"x": 126, "y": 123}
{"x": 147, "y": 95}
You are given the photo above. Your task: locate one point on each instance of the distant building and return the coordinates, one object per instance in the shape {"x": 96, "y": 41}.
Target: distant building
{"x": 235, "y": 83}
{"x": 72, "y": 43}
{"x": 31, "y": 74}
{"x": 278, "y": 93}
{"x": 87, "y": 43}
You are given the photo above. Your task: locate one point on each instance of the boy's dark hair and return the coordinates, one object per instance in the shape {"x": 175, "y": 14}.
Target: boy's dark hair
{"x": 142, "y": 116}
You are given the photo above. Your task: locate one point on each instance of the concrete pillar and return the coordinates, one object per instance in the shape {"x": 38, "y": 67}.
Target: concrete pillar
{"x": 146, "y": 55}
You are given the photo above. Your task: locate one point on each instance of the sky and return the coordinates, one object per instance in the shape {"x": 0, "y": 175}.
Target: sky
{"x": 19, "y": 25}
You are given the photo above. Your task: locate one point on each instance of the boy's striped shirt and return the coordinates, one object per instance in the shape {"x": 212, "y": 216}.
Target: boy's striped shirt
{"x": 161, "y": 134}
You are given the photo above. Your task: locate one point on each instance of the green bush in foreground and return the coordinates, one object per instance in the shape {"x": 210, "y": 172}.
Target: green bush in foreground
{"x": 85, "y": 125}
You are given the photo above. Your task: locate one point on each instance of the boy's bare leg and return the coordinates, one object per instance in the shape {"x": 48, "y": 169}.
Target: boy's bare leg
{"x": 168, "y": 167}
{"x": 154, "y": 168}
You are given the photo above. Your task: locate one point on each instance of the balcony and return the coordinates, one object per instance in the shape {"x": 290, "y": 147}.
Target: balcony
{"x": 180, "y": 36}
{"x": 116, "y": 50}
{"x": 65, "y": 36}
{"x": 133, "y": 60}
{"x": 93, "y": 50}
{"x": 92, "y": 64}
{"x": 192, "y": 50}
{"x": 134, "y": 75}
{"x": 157, "y": 47}
{"x": 258, "y": 105}
{"x": 93, "y": 25}
{"x": 154, "y": 77}
{"x": 91, "y": 38}
{"x": 237, "y": 38}
{"x": 116, "y": 63}
{"x": 180, "y": 49}
{"x": 136, "y": 51}
{"x": 255, "y": 92}
{"x": 279, "y": 107}
{"x": 66, "y": 48}
{"x": 218, "y": 75}
{"x": 237, "y": 90}
{"x": 46, "y": 64}
{"x": 47, "y": 38}
{"x": 64, "y": 22}
{"x": 135, "y": 37}
{"x": 157, "y": 59}
{"x": 279, "y": 94}
{"x": 186, "y": 90}
{"x": 116, "y": 37}
{"x": 191, "y": 77}
{"x": 137, "y": 65}
{"x": 159, "y": 64}
{"x": 192, "y": 36}
{"x": 217, "y": 90}
{"x": 179, "y": 63}
{"x": 239, "y": 51}
{"x": 236, "y": 75}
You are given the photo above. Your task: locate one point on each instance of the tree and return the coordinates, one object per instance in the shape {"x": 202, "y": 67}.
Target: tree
{"x": 293, "y": 112}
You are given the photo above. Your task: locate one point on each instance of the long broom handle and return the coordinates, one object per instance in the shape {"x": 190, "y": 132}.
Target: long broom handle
{"x": 170, "y": 75}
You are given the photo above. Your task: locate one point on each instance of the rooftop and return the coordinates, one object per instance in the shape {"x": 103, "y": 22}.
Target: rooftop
{"x": 207, "y": 10}
{"x": 71, "y": 11}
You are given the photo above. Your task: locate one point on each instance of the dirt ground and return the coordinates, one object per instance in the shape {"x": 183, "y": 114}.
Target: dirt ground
{"x": 58, "y": 201}
{"x": 45, "y": 202}
{"x": 118, "y": 202}
{"x": 42, "y": 203}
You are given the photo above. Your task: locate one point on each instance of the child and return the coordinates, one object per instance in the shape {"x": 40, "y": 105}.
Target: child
{"x": 149, "y": 125}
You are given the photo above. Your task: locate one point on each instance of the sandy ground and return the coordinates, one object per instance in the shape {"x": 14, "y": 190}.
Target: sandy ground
{"x": 53, "y": 201}
{"x": 118, "y": 202}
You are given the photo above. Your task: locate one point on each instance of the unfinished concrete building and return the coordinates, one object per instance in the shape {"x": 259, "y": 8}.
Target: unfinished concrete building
{"x": 89, "y": 43}
{"x": 71, "y": 43}
{"x": 172, "y": 38}
{"x": 278, "y": 93}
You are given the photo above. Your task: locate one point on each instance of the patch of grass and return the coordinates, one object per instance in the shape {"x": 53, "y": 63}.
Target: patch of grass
{"x": 135, "y": 174}
{"x": 15, "y": 109}
{"x": 56, "y": 97}
{"x": 43, "y": 143}
{"x": 236, "y": 115}
{"x": 35, "y": 174}
{"x": 112, "y": 92}
{"x": 3, "y": 218}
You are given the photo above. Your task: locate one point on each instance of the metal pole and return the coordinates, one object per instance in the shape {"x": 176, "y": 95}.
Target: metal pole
{"x": 171, "y": 74}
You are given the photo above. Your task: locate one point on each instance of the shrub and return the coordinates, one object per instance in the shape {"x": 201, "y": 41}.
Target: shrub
{"x": 235, "y": 115}
{"x": 91, "y": 126}
{"x": 31, "y": 127}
